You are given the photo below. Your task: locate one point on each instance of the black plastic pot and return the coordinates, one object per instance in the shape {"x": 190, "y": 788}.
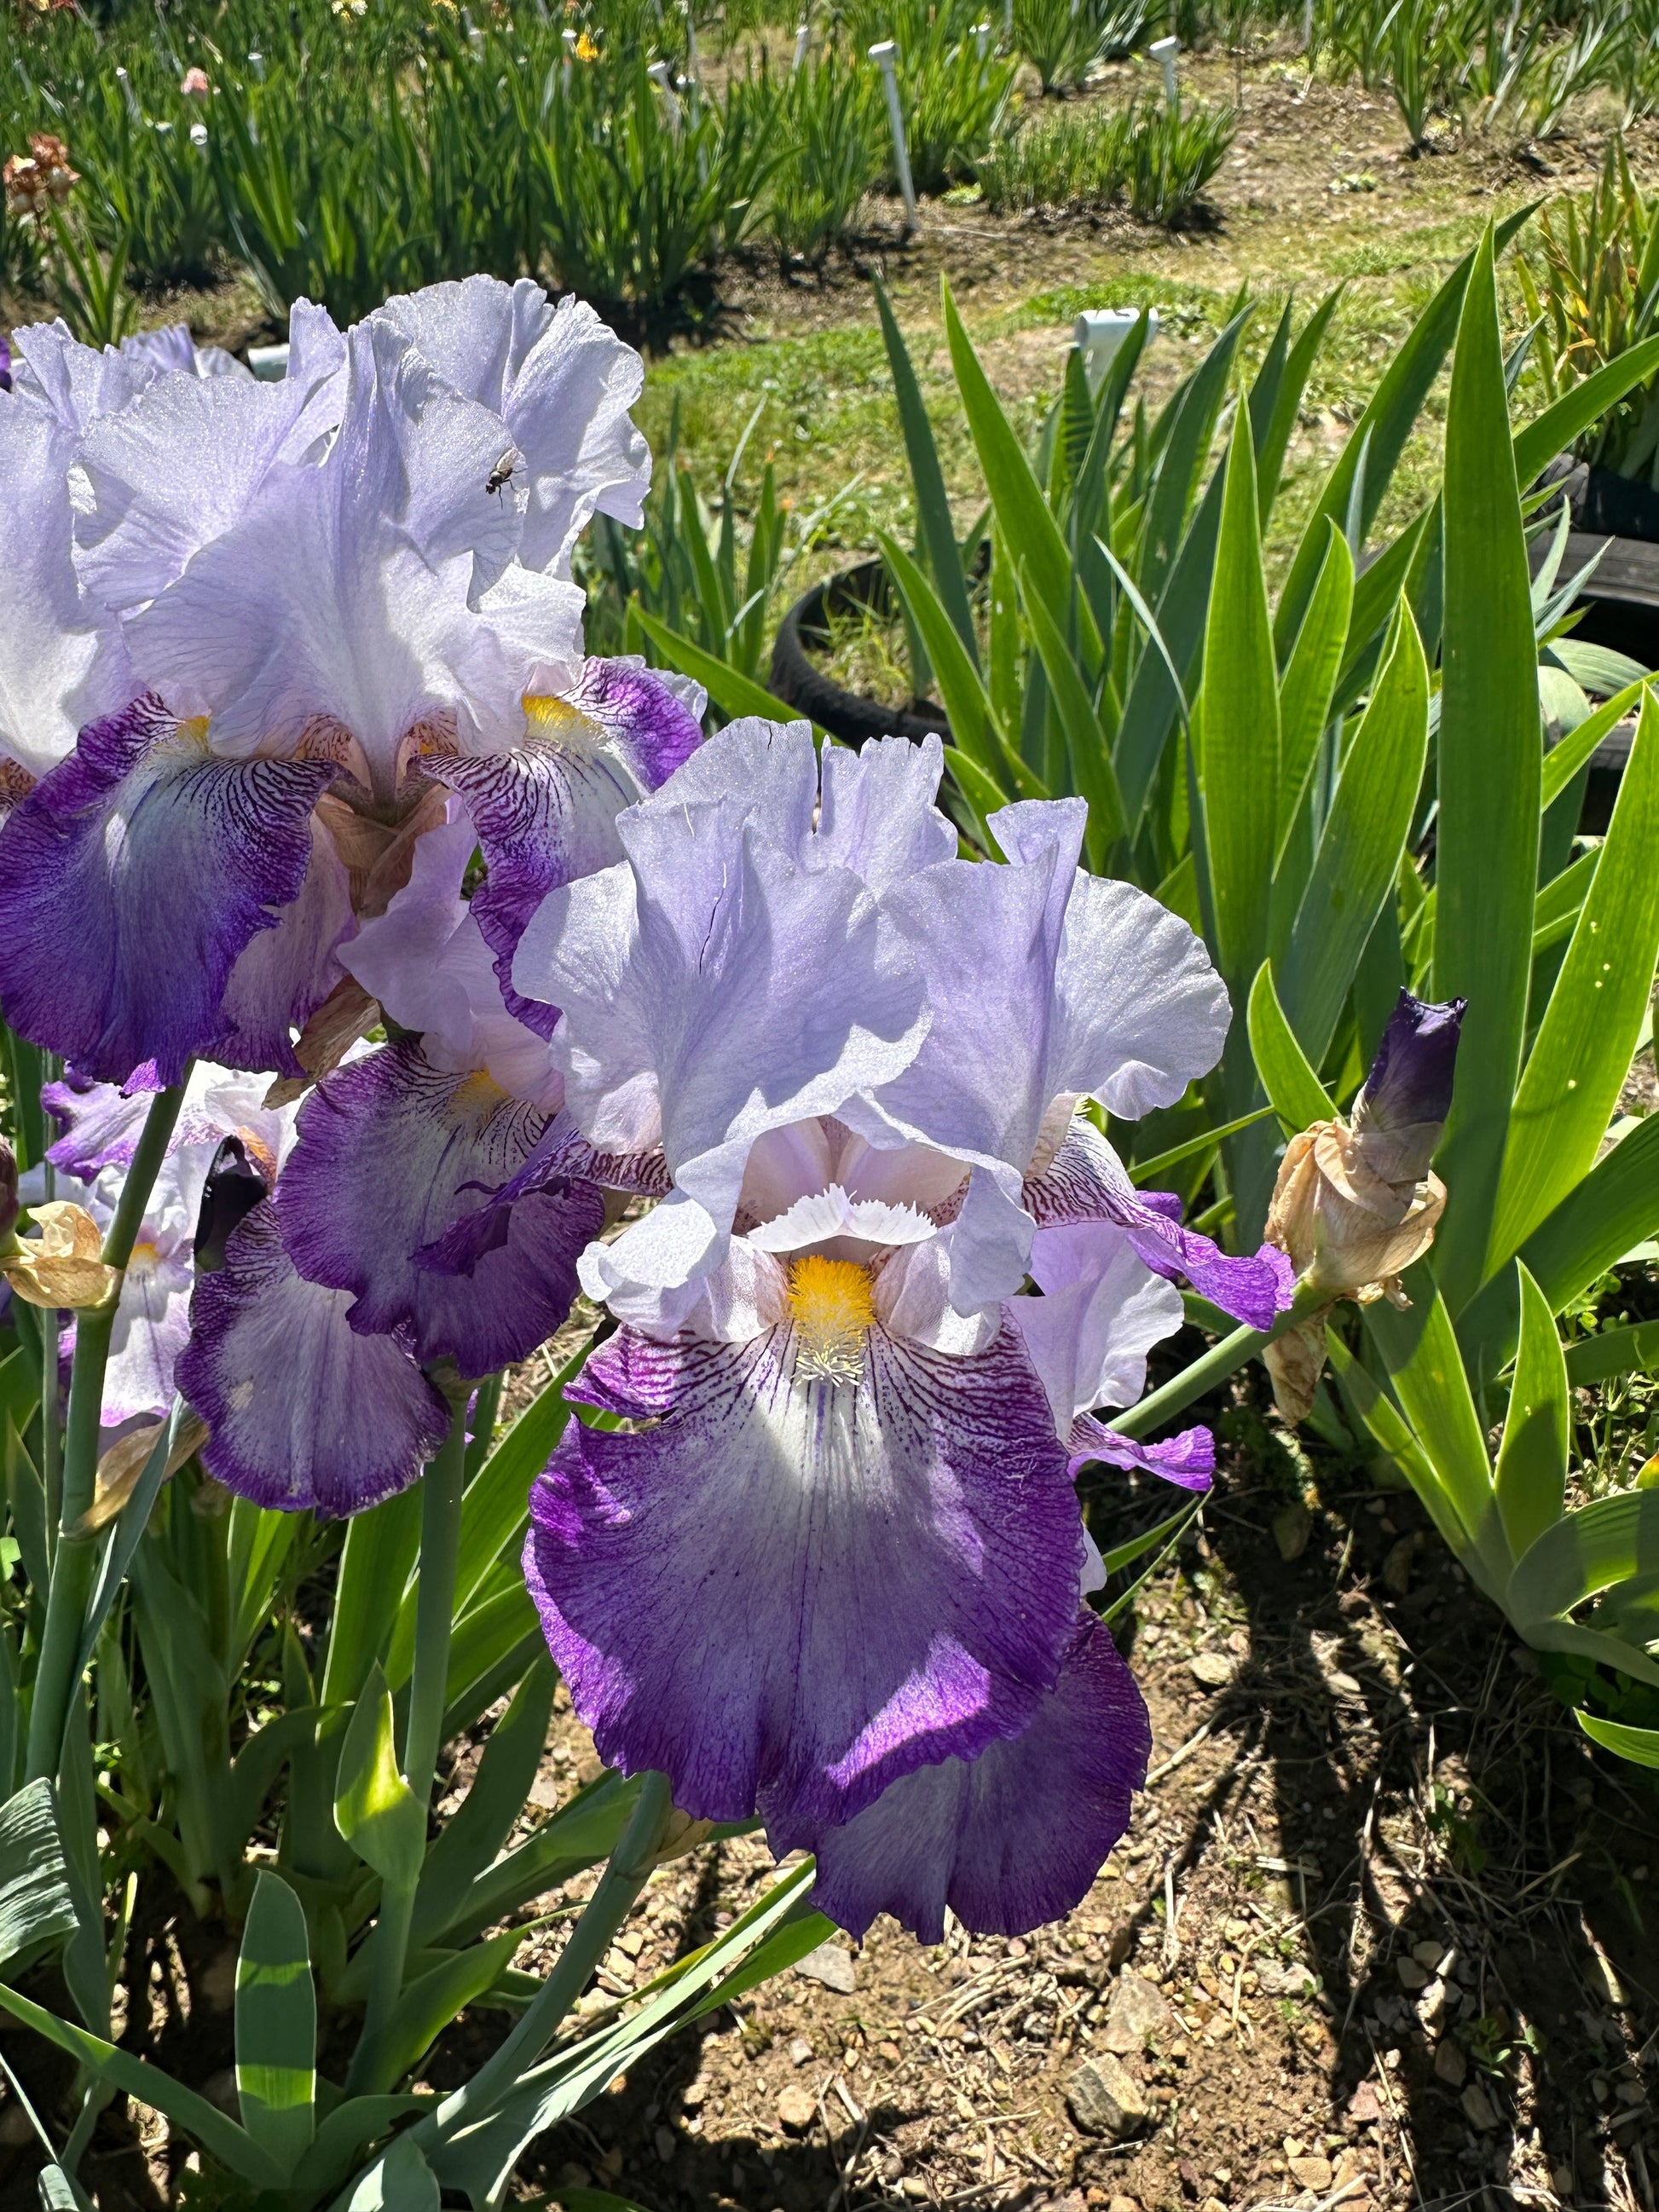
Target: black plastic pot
{"x": 797, "y": 680}
{"x": 1619, "y": 519}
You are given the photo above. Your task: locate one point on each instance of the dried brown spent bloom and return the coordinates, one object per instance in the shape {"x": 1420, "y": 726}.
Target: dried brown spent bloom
{"x": 40, "y": 178}
{"x": 63, "y": 1265}
{"x": 1356, "y": 1204}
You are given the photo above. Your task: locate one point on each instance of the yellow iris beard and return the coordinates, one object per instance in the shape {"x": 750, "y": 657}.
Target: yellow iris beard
{"x": 832, "y": 1302}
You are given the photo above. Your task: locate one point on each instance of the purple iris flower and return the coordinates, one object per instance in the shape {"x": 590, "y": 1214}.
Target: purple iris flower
{"x": 837, "y": 1578}
{"x": 341, "y": 599}
{"x": 302, "y": 1409}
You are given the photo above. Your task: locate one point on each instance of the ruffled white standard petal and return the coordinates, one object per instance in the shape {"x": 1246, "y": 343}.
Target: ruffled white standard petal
{"x": 62, "y": 660}
{"x": 176, "y": 468}
{"x": 366, "y": 623}
{"x": 561, "y": 381}
{"x": 714, "y": 989}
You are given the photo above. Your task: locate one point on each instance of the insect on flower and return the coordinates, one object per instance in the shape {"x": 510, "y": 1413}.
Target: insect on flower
{"x": 504, "y": 471}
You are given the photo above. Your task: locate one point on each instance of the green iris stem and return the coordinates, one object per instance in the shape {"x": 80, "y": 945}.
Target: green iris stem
{"x": 631, "y": 1867}
{"x": 77, "y": 1556}
{"x": 442, "y": 1488}
{"x": 1172, "y": 1397}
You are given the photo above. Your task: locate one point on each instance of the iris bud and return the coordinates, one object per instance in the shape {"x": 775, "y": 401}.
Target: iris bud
{"x": 1355, "y": 1203}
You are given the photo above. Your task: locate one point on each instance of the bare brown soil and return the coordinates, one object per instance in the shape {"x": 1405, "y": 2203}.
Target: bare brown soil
{"x": 1408, "y": 1963}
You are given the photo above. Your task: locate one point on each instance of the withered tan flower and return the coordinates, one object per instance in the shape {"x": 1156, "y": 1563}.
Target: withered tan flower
{"x": 62, "y": 1266}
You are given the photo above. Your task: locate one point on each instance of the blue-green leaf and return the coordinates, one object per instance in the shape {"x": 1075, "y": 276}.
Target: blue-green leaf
{"x": 1364, "y": 835}
{"x": 1238, "y": 720}
{"x": 1299, "y": 1099}
{"x": 375, "y": 1809}
{"x": 276, "y": 2023}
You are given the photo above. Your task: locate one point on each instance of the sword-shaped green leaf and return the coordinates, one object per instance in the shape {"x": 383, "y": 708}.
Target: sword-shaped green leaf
{"x": 1532, "y": 1460}
{"x": 1023, "y": 514}
{"x": 1364, "y": 835}
{"x": 1304, "y": 697}
{"x": 937, "y": 531}
{"x": 1584, "y": 1045}
{"x": 1238, "y": 716}
{"x": 1601, "y": 1543}
{"x": 1490, "y": 754}
{"x": 375, "y": 1809}
{"x": 1298, "y": 1097}
{"x": 276, "y": 2023}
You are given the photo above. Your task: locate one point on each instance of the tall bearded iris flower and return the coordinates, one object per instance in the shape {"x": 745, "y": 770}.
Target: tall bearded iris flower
{"x": 332, "y": 624}
{"x": 302, "y": 1409}
{"x": 838, "y": 1573}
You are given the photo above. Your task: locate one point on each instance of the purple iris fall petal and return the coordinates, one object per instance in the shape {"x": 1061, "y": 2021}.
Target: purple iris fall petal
{"x": 392, "y": 1152}
{"x": 1086, "y": 1182}
{"x": 158, "y": 864}
{"x": 1411, "y": 1079}
{"x": 1011, "y": 1838}
{"x": 546, "y": 812}
{"x": 302, "y": 1411}
{"x": 806, "y": 1588}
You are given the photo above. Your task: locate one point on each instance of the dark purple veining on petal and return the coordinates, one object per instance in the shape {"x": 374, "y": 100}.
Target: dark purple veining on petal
{"x": 302, "y": 1411}
{"x": 131, "y": 879}
{"x": 393, "y": 1153}
{"x": 1012, "y": 1838}
{"x": 800, "y": 1588}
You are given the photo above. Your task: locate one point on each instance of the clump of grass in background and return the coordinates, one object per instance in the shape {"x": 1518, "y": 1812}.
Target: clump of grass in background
{"x": 1063, "y": 38}
{"x": 1155, "y": 158}
{"x": 836, "y": 128}
{"x": 1596, "y": 294}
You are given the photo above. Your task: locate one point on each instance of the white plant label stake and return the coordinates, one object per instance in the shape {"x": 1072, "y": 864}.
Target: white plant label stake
{"x": 570, "y": 38}
{"x": 885, "y": 54}
{"x": 663, "y": 78}
{"x": 1163, "y": 53}
{"x": 801, "y": 35}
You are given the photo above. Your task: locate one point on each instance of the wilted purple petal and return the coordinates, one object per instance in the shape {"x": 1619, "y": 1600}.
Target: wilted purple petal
{"x": 132, "y": 878}
{"x": 1186, "y": 1460}
{"x": 805, "y": 1588}
{"x": 302, "y": 1411}
{"x": 1008, "y": 1840}
{"x": 1086, "y": 1182}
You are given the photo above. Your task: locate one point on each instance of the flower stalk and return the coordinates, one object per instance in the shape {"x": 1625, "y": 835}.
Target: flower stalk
{"x": 631, "y": 1867}
{"x": 77, "y": 1552}
{"x": 442, "y": 1490}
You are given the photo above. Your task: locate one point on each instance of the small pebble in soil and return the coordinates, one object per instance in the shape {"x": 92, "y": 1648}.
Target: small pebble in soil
{"x": 831, "y": 1966}
{"x": 797, "y": 2109}
{"x": 799, "y": 2051}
